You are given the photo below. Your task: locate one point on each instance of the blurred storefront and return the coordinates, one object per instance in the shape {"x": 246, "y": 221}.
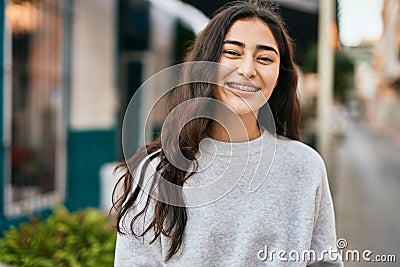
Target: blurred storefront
{"x": 34, "y": 82}
{"x": 57, "y": 95}
{"x": 69, "y": 70}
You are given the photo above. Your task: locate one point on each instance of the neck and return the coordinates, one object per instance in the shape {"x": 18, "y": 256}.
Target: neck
{"x": 246, "y": 130}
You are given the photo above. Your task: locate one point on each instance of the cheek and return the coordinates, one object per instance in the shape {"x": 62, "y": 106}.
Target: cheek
{"x": 276, "y": 79}
{"x": 271, "y": 78}
{"x": 218, "y": 92}
{"x": 223, "y": 72}
{"x": 270, "y": 82}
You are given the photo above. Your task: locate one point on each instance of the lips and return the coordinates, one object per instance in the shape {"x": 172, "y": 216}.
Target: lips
{"x": 242, "y": 87}
{"x": 242, "y": 90}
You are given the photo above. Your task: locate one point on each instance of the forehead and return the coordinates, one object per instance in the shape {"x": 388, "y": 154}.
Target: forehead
{"x": 251, "y": 32}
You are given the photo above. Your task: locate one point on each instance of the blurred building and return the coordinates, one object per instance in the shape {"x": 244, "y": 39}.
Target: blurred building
{"x": 68, "y": 71}
{"x": 388, "y": 50}
{"x": 387, "y": 69}
{"x": 57, "y": 103}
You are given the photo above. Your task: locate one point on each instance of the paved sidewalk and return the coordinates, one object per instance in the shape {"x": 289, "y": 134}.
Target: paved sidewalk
{"x": 367, "y": 193}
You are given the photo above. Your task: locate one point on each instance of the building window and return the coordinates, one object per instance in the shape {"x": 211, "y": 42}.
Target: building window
{"x": 36, "y": 95}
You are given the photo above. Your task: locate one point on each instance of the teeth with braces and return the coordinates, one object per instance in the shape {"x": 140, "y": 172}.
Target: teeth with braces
{"x": 243, "y": 87}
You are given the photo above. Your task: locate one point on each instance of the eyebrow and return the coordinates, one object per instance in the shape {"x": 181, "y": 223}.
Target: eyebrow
{"x": 260, "y": 47}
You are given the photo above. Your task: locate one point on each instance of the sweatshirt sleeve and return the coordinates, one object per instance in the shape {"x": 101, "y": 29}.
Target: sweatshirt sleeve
{"x": 137, "y": 251}
{"x": 324, "y": 235}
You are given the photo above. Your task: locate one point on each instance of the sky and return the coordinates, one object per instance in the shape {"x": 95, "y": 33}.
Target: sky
{"x": 359, "y": 20}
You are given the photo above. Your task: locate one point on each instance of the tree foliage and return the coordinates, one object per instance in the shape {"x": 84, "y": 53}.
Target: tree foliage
{"x": 343, "y": 71}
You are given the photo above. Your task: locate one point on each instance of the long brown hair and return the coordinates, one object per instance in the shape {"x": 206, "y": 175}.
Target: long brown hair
{"x": 170, "y": 220}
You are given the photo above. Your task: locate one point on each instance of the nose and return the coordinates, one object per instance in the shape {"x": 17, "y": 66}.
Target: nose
{"x": 247, "y": 66}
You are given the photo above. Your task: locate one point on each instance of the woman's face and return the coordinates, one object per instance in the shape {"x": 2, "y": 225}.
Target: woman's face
{"x": 251, "y": 53}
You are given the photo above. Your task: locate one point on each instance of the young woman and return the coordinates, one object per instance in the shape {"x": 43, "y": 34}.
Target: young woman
{"x": 287, "y": 219}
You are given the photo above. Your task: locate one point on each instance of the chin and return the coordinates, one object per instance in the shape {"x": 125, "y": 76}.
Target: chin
{"x": 241, "y": 108}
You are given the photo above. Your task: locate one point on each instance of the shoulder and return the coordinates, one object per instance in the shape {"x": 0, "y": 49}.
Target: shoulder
{"x": 299, "y": 155}
{"x": 148, "y": 164}
{"x": 143, "y": 178}
{"x": 297, "y": 151}
{"x": 142, "y": 175}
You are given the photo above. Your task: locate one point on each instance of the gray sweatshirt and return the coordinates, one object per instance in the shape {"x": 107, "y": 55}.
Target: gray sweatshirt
{"x": 260, "y": 203}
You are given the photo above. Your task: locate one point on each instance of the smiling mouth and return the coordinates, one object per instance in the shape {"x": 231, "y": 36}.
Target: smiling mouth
{"x": 241, "y": 87}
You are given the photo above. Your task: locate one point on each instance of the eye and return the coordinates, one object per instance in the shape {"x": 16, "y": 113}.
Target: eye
{"x": 265, "y": 60}
{"x": 231, "y": 53}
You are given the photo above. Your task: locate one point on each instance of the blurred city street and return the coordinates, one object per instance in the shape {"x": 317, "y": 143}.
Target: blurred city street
{"x": 367, "y": 182}
{"x": 66, "y": 88}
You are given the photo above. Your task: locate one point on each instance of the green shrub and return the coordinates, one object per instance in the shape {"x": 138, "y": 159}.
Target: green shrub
{"x": 83, "y": 238}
